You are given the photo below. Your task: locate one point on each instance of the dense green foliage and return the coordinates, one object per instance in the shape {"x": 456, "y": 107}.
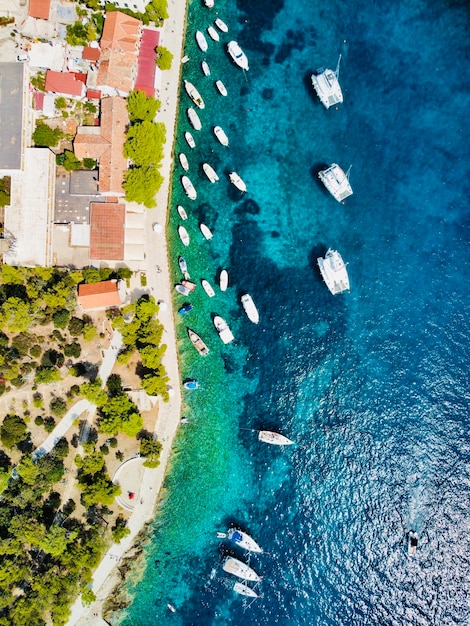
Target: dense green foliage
{"x": 79, "y": 34}
{"x": 5, "y": 185}
{"x": 141, "y": 108}
{"x": 45, "y": 136}
{"x": 150, "y": 449}
{"x": 12, "y": 431}
{"x": 164, "y": 58}
{"x": 144, "y": 143}
{"x": 141, "y": 185}
{"x": 119, "y": 530}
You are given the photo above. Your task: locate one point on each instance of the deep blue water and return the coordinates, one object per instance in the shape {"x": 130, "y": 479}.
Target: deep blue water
{"x": 373, "y": 385}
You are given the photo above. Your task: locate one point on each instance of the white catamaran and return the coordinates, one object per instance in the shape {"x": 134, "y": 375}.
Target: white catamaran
{"x": 327, "y": 87}
{"x": 336, "y": 181}
{"x": 334, "y": 272}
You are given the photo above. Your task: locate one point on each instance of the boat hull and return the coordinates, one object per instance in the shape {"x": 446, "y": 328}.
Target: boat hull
{"x": 223, "y": 329}
{"x": 221, "y": 87}
{"x": 243, "y": 540}
{"x": 336, "y": 181}
{"x": 223, "y": 280}
{"x": 250, "y": 308}
{"x": 267, "y": 436}
{"x": 206, "y": 232}
{"x": 198, "y": 343}
{"x": 183, "y": 235}
{"x": 334, "y": 272}
{"x": 220, "y": 135}
{"x": 239, "y": 569}
{"x": 207, "y": 288}
{"x": 237, "y": 55}
{"x": 244, "y": 590}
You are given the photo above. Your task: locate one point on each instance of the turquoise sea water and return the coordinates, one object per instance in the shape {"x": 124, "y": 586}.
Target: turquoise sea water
{"x": 373, "y": 385}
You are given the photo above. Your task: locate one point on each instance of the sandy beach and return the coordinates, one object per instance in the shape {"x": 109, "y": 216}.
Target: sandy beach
{"x": 106, "y": 577}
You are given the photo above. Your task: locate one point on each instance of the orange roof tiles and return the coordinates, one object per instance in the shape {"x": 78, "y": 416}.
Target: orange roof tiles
{"x": 107, "y": 231}
{"x": 39, "y": 9}
{"x": 119, "y": 51}
{"x": 106, "y": 145}
{"x": 90, "y": 54}
{"x": 98, "y": 295}
{"x": 68, "y": 83}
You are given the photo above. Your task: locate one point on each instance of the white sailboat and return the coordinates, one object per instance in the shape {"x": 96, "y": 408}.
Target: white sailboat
{"x": 193, "y": 117}
{"x": 237, "y": 568}
{"x": 244, "y": 590}
{"x": 327, "y": 87}
{"x": 181, "y": 212}
{"x": 207, "y": 288}
{"x": 210, "y": 172}
{"x": 334, "y": 272}
{"x": 236, "y": 180}
{"x": 268, "y": 436}
{"x": 336, "y": 181}
{"x": 206, "y": 70}
{"x": 220, "y": 135}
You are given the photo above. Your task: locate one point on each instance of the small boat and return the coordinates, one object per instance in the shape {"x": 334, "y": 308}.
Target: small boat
{"x": 193, "y": 117}
{"x": 184, "y": 161}
{"x": 185, "y": 59}
{"x": 206, "y": 231}
{"x": 237, "y": 568}
{"x": 336, "y": 181}
{"x": 181, "y": 212}
{"x": 268, "y": 436}
{"x": 244, "y": 590}
{"x": 210, "y": 172}
{"x": 243, "y": 540}
{"x": 189, "y": 139}
{"x": 223, "y": 280}
{"x": 183, "y": 233}
{"x": 207, "y": 288}
{"x": 412, "y": 542}
{"x": 206, "y": 70}
{"x": 223, "y": 329}
{"x": 237, "y": 181}
{"x": 185, "y": 308}
{"x": 171, "y": 608}
{"x": 334, "y": 272}
{"x": 198, "y": 343}
{"x": 213, "y": 34}
{"x": 327, "y": 87}
{"x": 188, "y": 188}
{"x": 188, "y": 284}
{"x": 184, "y": 291}
{"x": 183, "y": 267}
{"x": 221, "y": 87}
{"x": 220, "y": 135}
{"x": 237, "y": 55}
{"x": 201, "y": 41}
{"x": 209, "y": 3}
{"x": 222, "y": 26}
{"x": 250, "y": 308}
{"x": 191, "y": 384}
{"x": 194, "y": 94}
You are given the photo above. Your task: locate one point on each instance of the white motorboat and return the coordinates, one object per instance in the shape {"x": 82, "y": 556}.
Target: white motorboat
{"x": 193, "y": 117}
{"x": 237, "y": 568}
{"x": 213, "y": 34}
{"x": 184, "y": 161}
{"x": 194, "y": 94}
{"x": 250, "y": 308}
{"x": 188, "y": 187}
{"x": 327, "y": 87}
{"x": 223, "y": 280}
{"x": 206, "y": 70}
{"x": 207, "y": 288}
{"x": 221, "y": 25}
{"x": 223, "y": 329}
{"x": 336, "y": 181}
{"x": 189, "y": 139}
{"x": 201, "y": 41}
{"x": 245, "y": 590}
{"x": 243, "y": 540}
{"x": 220, "y": 135}
{"x": 181, "y": 212}
{"x": 209, "y": 3}
{"x": 210, "y": 172}
{"x": 183, "y": 267}
{"x": 237, "y": 55}
{"x": 268, "y": 436}
{"x": 206, "y": 231}
{"x": 237, "y": 181}
{"x": 334, "y": 272}
{"x": 185, "y": 59}
{"x": 221, "y": 87}
{"x": 198, "y": 343}
{"x": 412, "y": 542}
{"x": 184, "y": 291}
{"x": 184, "y": 236}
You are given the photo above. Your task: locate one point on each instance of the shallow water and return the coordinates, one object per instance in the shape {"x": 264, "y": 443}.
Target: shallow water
{"x": 372, "y": 385}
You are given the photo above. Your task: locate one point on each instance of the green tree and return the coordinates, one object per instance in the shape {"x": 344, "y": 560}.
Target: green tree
{"x": 156, "y": 385}
{"x": 22, "y": 343}
{"x": 72, "y": 350}
{"x": 45, "y": 136}
{"x": 47, "y": 375}
{"x": 38, "y": 400}
{"x": 91, "y": 275}
{"x": 5, "y": 191}
{"x": 141, "y": 185}
{"x": 152, "y": 356}
{"x": 164, "y": 58}
{"x": 58, "y": 407}
{"x": 144, "y": 143}
{"x": 79, "y": 34}
{"x": 157, "y": 11}
{"x": 75, "y": 326}
{"x": 28, "y": 470}
{"x": 150, "y": 449}
{"x": 120, "y": 414}
{"x": 61, "y": 318}
{"x": 120, "y": 529}
{"x": 141, "y": 108}
{"x": 94, "y": 393}
{"x": 60, "y": 103}
{"x": 124, "y": 273}
{"x": 11, "y": 275}
{"x": 89, "y": 164}
{"x": 89, "y": 332}
{"x": 90, "y": 464}
{"x": 13, "y": 430}
{"x": 16, "y": 315}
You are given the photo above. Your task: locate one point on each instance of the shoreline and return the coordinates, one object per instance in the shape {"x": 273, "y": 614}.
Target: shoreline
{"x": 106, "y": 578}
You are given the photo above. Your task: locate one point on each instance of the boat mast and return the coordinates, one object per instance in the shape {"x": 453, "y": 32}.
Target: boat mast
{"x": 347, "y": 173}
{"x": 337, "y": 67}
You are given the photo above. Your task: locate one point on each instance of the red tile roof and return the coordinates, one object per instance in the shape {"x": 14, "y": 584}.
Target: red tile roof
{"x": 39, "y": 8}
{"x": 146, "y": 66}
{"x": 68, "y": 83}
{"x": 99, "y": 295}
{"x": 107, "y": 231}
{"x": 93, "y": 94}
{"x": 119, "y": 49}
{"x": 91, "y": 54}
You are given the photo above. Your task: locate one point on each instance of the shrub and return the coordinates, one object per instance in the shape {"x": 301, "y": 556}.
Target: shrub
{"x": 164, "y": 58}
{"x": 61, "y": 318}
{"x": 72, "y": 349}
{"x": 38, "y": 400}
{"x": 119, "y": 530}
{"x": 12, "y": 431}
{"x": 46, "y": 137}
{"x": 49, "y": 424}
{"x": 58, "y": 407}
{"x": 150, "y": 449}
{"x": 75, "y": 326}
{"x": 36, "y": 351}
{"x": 104, "y": 449}
{"x": 39, "y": 421}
